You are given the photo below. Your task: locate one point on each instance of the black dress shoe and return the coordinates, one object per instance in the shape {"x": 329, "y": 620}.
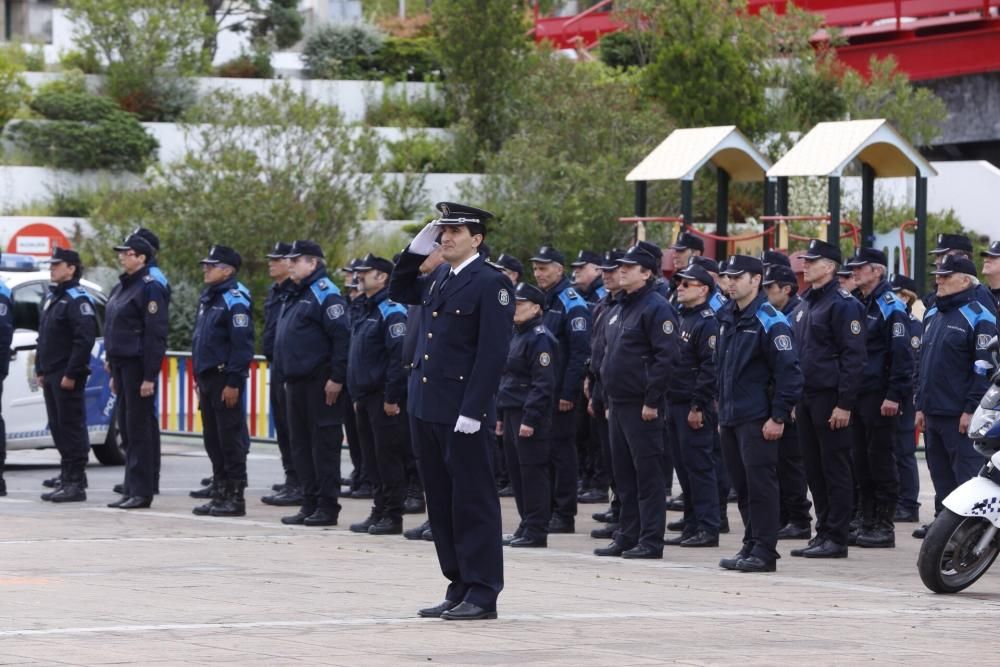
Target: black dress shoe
{"x": 701, "y": 539}
{"x": 418, "y": 532}
{"x": 793, "y": 532}
{"x": 643, "y": 551}
{"x": 677, "y": 539}
{"x": 427, "y": 536}
{"x": 592, "y": 496}
{"x": 364, "y": 491}
{"x": 119, "y": 489}
{"x": 414, "y": 505}
{"x": 921, "y": 532}
{"x": 827, "y": 549}
{"x": 466, "y": 611}
{"x": 614, "y": 549}
{"x": 904, "y": 515}
{"x": 676, "y": 503}
{"x": 278, "y": 488}
{"x": 136, "y": 503}
{"x": 604, "y": 533}
{"x": 610, "y": 516}
{"x": 436, "y": 611}
{"x": 52, "y": 482}
{"x": 117, "y": 503}
{"x": 724, "y": 524}
{"x": 363, "y": 526}
{"x": 71, "y": 492}
{"x": 754, "y": 564}
{"x": 815, "y": 541}
{"x": 508, "y": 538}
{"x": 731, "y": 563}
{"x": 677, "y": 526}
{"x": 288, "y": 497}
{"x": 297, "y": 519}
{"x": 560, "y": 525}
{"x": 321, "y": 517}
{"x": 386, "y": 526}
{"x": 530, "y": 542}
{"x": 206, "y": 481}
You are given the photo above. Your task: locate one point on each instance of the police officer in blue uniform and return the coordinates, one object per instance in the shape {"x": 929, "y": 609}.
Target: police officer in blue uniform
{"x": 991, "y": 270}
{"x": 513, "y": 269}
{"x": 221, "y": 351}
{"x": 6, "y": 336}
{"x": 959, "y": 245}
{"x": 641, "y": 346}
{"x": 464, "y": 331}
{"x": 310, "y": 351}
{"x": 908, "y": 507}
{"x": 568, "y": 317}
{"x": 781, "y": 287}
{"x": 524, "y": 407}
{"x": 289, "y": 492}
{"x": 691, "y": 417}
{"x": 66, "y": 334}
{"x": 377, "y": 383}
{"x": 135, "y": 341}
{"x": 830, "y": 334}
{"x": 759, "y": 380}
{"x": 957, "y": 332}
{"x": 887, "y": 382}
{"x": 587, "y": 278}
{"x": 687, "y": 246}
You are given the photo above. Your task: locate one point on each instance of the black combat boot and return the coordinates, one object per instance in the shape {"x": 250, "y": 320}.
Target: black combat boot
{"x": 205, "y": 491}
{"x": 57, "y": 483}
{"x": 233, "y": 504}
{"x": 218, "y": 495}
{"x": 72, "y": 488}
{"x": 883, "y": 534}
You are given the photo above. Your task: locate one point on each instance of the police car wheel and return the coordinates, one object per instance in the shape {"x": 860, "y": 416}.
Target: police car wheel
{"x": 111, "y": 452}
{"x": 947, "y": 561}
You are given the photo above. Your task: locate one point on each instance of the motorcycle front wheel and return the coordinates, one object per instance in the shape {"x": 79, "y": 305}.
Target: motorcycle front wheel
{"x": 947, "y": 562}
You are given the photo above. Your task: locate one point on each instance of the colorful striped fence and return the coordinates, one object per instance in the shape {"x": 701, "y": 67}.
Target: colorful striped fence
{"x": 177, "y": 400}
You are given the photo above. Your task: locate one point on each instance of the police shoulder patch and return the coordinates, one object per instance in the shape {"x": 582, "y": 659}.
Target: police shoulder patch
{"x": 668, "y": 327}
{"x": 398, "y": 329}
{"x": 335, "y": 311}
{"x": 915, "y": 342}
{"x": 241, "y": 320}
{"x": 783, "y": 343}
{"x": 544, "y": 359}
{"x": 855, "y": 327}
{"x": 85, "y": 308}
{"x": 707, "y": 312}
{"x": 153, "y": 307}
{"x": 148, "y": 278}
{"x": 503, "y": 297}
{"x": 898, "y": 330}
{"x": 322, "y": 284}
{"x": 983, "y": 341}
{"x": 844, "y": 293}
{"x": 540, "y": 329}
{"x": 571, "y": 293}
{"x": 578, "y": 324}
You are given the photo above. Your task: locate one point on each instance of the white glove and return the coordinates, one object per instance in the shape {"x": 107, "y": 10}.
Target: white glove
{"x": 425, "y": 242}
{"x": 466, "y": 425}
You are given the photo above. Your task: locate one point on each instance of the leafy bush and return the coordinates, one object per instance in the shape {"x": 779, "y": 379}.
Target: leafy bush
{"x": 405, "y": 198}
{"x": 73, "y": 81}
{"x": 407, "y": 59}
{"x": 395, "y": 109}
{"x": 340, "y": 51}
{"x": 13, "y": 89}
{"x": 626, "y": 48}
{"x": 158, "y": 99}
{"x": 422, "y": 152}
{"x": 84, "y": 60}
{"x": 247, "y": 66}
{"x": 73, "y": 106}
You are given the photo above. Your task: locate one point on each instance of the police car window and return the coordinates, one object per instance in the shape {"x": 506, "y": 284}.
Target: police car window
{"x": 27, "y": 305}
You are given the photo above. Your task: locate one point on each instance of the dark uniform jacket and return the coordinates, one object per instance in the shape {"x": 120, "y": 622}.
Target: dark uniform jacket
{"x": 567, "y": 316}
{"x": 276, "y": 296}
{"x": 6, "y": 328}
{"x": 463, "y": 334}
{"x": 223, "y": 333}
{"x": 529, "y": 375}
{"x": 830, "y": 335}
{"x": 598, "y": 347}
{"x": 756, "y": 364}
{"x": 692, "y": 378}
{"x": 641, "y": 333}
{"x": 981, "y": 293}
{"x": 889, "y": 366}
{"x": 594, "y": 293}
{"x": 374, "y": 365}
{"x": 66, "y": 332}
{"x": 313, "y": 334}
{"x": 957, "y": 332}
{"x": 136, "y": 322}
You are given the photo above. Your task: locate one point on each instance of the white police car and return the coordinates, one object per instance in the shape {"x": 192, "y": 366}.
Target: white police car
{"x": 23, "y": 402}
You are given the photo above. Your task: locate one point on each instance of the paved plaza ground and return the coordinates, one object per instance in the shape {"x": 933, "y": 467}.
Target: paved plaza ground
{"x": 87, "y": 585}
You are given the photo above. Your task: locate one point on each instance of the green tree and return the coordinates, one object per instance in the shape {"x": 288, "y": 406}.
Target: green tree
{"x": 13, "y": 89}
{"x": 268, "y": 167}
{"x": 274, "y": 20}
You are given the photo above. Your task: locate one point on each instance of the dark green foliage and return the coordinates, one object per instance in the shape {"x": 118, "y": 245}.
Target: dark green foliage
{"x": 396, "y": 109}
{"x": 626, "y": 48}
{"x": 341, "y": 51}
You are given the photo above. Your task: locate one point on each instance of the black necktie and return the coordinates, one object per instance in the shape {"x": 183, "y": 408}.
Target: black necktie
{"x": 444, "y": 282}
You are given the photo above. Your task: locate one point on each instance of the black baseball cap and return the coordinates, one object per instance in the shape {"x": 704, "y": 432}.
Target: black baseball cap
{"x": 610, "y": 260}
{"x": 948, "y": 242}
{"x": 280, "y": 250}
{"x": 60, "y": 255}
{"x": 528, "y": 292}
{"x": 150, "y": 237}
{"x": 688, "y": 241}
{"x": 844, "y": 272}
{"x": 371, "y": 262}
{"x": 548, "y": 254}
{"x": 303, "y": 247}
{"x": 901, "y": 282}
{"x": 706, "y": 263}
{"x": 138, "y": 244}
{"x": 781, "y": 274}
{"x": 773, "y": 257}
{"x": 220, "y": 254}
{"x": 822, "y": 250}
{"x": 697, "y": 272}
{"x": 645, "y": 254}
{"x": 864, "y": 256}
{"x": 955, "y": 264}
{"x": 992, "y": 251}
{"x": 586, "y": 257}
{"x": 740, "y": 264}
{"x": 510, "y": 263}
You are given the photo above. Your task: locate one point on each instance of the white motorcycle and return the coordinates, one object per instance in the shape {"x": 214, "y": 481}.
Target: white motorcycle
{"x": 962, "y": 542}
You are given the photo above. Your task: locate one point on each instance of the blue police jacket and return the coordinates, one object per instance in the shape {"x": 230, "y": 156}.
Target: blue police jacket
{"x": 6, "y": 328}
{"x": 529, "y": 374}
{"x": 594, "y": 293}
{"x": 313, "y": 335}
{"x": 223, "y": 333}
{"x": 717, "y": 300}
{"x": 463, "y": 334}
{"x": 915, "y": 327}
{"x": 567, "y": 316}
{"x": 829, "y": 332}
{"x": 889, "y": 365}
{"x": 598, "y": 346}
{"x": 692, "y": 377}
{"x": 757, "y": 368}
{"x": 957, "y": 331}
{"x": 987, "y": 298}
{"x": 996, "y": 298}
{"x": 136, "y": 321}
{"x": 374, "y": 365}
{"x": 276, "y": 297}
{"x": 66, "y": 332}
{"x": 641, "y": 333}
{"x": 159, "y": 276}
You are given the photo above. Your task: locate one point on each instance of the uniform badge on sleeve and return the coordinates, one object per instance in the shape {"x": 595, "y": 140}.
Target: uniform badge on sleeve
{"x": 578, "y": 324}
{"x": 334, "y": 311}
{"x": 711, "y": 342}
{"x": 241, "y": 320}
{"x": 544, "y": 359}
{"x": 3, "y": 308}
{"x": 668, "y": 327}
{"x": 503, "y": 297}
{"x": 398, "y": 329}
{"x": 855, "y": 327}
{"x": 783, "y": 343}
{"x": 85, "y": 308}
{"x": 898, "y": 330}
{"x": 983, "y": 341}
{"x": 153, "y": 308}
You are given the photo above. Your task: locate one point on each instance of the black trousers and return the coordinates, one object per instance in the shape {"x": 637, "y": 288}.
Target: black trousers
{"x": 138, "y": 417}
{"x": 593, "y": 474}
{"x": 3, "y": 435}
{"x": 500, "y": 462}
{"x": 563, "y": 466}
{"x": 695, "y": 463}
{"x": 527, "y": 465}
{"x": 463, "y": 509}
{"x": 951, "y": 457}
{"x": 636, "y": 450}
{"x": 279, "y": 415}
{"x": 224, "y": 429}
{"x": 906, "y": 456}
{"x": 795, "y": 503}
{"x": 68, "y": 423}
{"x": 874, "y": 440}
{"x": 600, "y": 425}
{"x": 827, "y": 455}
{"x": 383, "y": 443}
{"x": 360, "y": 472}
{"x": 667, "y": 465}
{"x": 316, "y": 438}
{"x": 753, "y": 468}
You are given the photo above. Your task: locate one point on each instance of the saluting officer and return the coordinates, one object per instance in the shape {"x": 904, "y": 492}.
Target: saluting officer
{"x": 377, "y": 383}
{"x": 567, "y": 316}
{"x": 221, "y": 351}
{"x": 908, "y": 508}
{"x": 6, "y": 336}
{"x": 991, "y": 270}
{"x": 957, "y": 333}
{"x": 464, "y": 331}
{"x": 66, "y": 334}
{"x": 135, "y": 341}
{"x": 524, "y": 404}
{"x": 289, "y": 492}
{"x": 759, "y": 380}
{"x": 310, "y": 350}
{"x": 781, "y": 287}
{"x": 887, "y": 382}
{"x": 641, "y": 346}
{"x": 830, "y": 333}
